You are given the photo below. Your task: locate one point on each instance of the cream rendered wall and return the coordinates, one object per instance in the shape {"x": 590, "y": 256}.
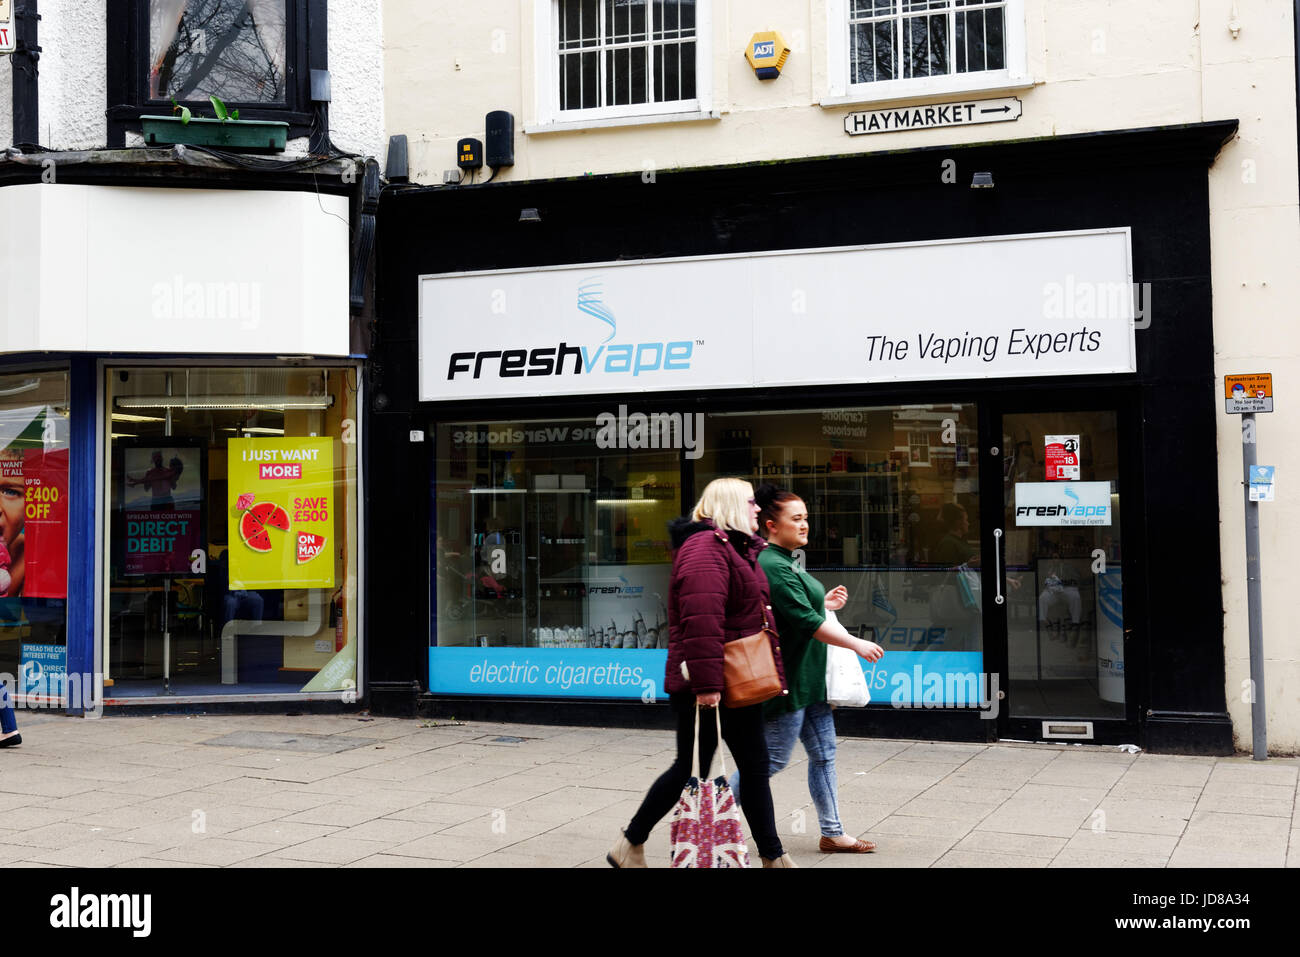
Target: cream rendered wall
{"x": 1095, "y": 65}
{"x": 1255, "y": 245}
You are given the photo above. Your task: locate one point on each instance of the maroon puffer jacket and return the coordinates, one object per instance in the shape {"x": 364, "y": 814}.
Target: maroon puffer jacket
{"x": 714, "y": 597}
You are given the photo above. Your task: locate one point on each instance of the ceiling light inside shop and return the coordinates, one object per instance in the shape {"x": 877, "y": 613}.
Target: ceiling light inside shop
{"x": 277, "y": 403}
{"x": 260, "y": 431}
{"x": 129, "y": 417}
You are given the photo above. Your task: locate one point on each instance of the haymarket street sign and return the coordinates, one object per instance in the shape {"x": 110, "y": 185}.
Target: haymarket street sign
{"x": 933, "y": 115}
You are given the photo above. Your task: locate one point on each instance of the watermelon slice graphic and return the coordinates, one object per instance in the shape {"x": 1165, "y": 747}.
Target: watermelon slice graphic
{"x": 268, "y": 513}
{"x": 309, "y": 546}
{"x": 253, "y": 524}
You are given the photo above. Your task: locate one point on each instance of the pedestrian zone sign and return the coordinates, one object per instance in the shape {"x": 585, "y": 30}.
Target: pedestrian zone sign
{"x": 1248, "y": 393}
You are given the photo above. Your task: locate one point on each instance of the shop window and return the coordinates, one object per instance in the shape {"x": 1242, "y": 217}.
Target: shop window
{"x": 232, "y": 516}
{"x": 897, "y": 48}
{"x": 617, "y": 59}
{"x": 34, "y": 454}
{"x": 254, "y": 56}
{"x": 552, "y": 560}
{"x": 893, "y": 516}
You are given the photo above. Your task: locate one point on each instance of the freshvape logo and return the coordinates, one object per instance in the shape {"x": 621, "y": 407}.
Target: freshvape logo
{"x": 1077, "y": 511}
{"x": 612, "y": 358}
{"x": 76, "y": 910}
{"x": 656, "y": 430}
{"x": 627, "y": 588}
{"x": 1060, "y": 503}
{"x": 590, "y": 301}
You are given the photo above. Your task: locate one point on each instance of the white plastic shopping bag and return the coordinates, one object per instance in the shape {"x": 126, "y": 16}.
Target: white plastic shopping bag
{"x": 846, "y": 683}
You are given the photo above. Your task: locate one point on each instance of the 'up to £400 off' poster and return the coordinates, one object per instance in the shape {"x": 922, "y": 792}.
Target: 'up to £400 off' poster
{"x": 281, "y": 507}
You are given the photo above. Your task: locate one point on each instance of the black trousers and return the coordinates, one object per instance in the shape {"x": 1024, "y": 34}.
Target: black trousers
{"x": 742, "y": 730}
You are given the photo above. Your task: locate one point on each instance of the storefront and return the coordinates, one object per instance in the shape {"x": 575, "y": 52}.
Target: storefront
{"x": 995, "y": 404}
{"x": 180, "y": 482}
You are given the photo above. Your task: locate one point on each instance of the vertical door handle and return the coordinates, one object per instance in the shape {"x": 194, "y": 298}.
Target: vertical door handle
{"x": 997, "y": 566}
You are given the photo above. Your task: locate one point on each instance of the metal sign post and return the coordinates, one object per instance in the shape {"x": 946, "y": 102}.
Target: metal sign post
{"x": 1245, "y": 395}
{"x": 1254, "y": 602}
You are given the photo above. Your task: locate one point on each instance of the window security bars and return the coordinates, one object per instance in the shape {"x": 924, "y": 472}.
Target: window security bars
{"x": 907, "y": 39}
{"x": 625, "y": 52}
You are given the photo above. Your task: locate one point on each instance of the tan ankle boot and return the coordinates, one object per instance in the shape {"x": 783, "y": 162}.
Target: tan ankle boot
{"x": 785, "y": 860}
{"x": 626, "y": 854}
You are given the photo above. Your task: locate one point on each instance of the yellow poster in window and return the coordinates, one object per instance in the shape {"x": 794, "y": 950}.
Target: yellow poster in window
{"x": 281, "y": 505}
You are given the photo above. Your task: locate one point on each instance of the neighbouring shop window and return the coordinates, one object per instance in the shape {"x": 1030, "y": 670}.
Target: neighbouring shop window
{"x": 234, "y": 49}
{"x": 255, "y": 56}
{"x": 34, "y": 457}
{"x": 232, "y": 515}
{"x": 551, "y": 560}
{"x": 893, "y": 505}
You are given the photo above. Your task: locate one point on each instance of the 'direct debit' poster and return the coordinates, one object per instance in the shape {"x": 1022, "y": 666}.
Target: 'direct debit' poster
{"x": 162, "y": 509}
{"x": 281, "y": 512}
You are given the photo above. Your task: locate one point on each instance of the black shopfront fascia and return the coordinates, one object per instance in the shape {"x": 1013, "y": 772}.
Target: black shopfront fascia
{"x": 1153, "y": 180}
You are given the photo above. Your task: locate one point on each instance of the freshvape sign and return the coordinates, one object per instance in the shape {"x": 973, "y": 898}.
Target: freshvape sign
{"x": 1052, "y": 503}
{"x": 580, "y": 330}
{"x": 967, "y": 308}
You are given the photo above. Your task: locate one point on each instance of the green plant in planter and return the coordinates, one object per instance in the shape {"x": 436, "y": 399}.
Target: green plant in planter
{"x": 218, "y": 108}
{"x": 225, "y": 130}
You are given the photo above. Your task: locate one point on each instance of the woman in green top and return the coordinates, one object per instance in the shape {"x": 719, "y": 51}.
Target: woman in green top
{"x": 799, "y": 604}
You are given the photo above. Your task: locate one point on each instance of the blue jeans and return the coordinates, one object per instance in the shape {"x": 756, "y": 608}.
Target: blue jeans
{"x": 8, "y": 721}
{"x": 815, "y": 726}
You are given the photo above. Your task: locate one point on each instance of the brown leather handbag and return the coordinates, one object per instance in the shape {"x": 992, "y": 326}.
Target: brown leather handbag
{"x": 749, "y": 674}
{"x": 749, "y": 669}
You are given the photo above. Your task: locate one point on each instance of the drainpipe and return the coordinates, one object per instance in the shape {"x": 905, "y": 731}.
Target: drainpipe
{"x": 27, "y": 125}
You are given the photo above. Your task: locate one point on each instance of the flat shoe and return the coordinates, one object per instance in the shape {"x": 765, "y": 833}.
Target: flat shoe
{"x": 10, "y": 742}
{"x": 828, "y": 846}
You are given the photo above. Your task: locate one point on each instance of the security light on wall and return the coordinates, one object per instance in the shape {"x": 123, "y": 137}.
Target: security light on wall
{"x": 530, "y": 215}
{"x": 982, "y": 181}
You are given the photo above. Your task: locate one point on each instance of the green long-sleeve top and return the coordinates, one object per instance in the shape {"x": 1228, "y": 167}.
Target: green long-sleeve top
{"x": 799, "y": 607}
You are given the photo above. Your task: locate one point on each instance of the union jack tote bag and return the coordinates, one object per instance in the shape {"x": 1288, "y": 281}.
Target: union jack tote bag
{"x": 706, "y": 830}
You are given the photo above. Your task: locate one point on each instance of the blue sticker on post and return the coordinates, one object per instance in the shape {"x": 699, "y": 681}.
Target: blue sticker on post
{"x": 1261, "y": 483}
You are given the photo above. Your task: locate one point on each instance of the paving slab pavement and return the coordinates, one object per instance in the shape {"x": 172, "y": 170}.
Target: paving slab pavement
{"x": 354, "y": 791}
